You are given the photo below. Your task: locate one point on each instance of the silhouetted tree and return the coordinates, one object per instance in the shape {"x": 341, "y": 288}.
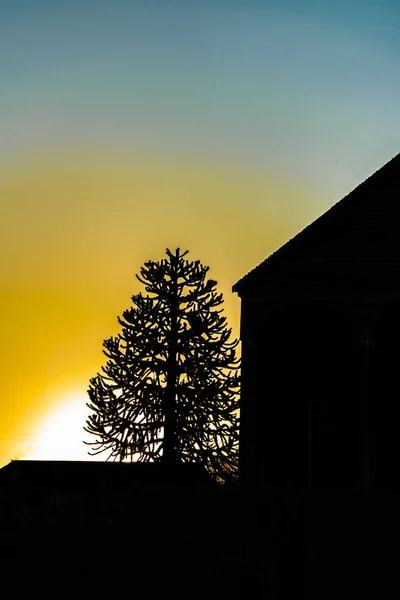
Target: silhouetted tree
{"x": 169, "y": 389}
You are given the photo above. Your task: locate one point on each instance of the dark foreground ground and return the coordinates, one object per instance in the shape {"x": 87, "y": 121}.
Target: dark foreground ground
{"x": 203, "y": 542}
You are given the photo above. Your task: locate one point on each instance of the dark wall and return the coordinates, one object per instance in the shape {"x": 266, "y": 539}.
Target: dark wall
{"x": 301, "y": 399}
{"x": 384, "y": 401}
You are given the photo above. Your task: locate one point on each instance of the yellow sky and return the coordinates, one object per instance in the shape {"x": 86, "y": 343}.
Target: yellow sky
{"x": 75, "y": 228}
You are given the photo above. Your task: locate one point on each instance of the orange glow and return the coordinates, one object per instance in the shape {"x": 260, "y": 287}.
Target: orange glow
{"x": 74, "y": 231}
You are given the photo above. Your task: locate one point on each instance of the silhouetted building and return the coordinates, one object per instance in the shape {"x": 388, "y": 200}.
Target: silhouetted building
{"x": 320, "y": 331}
{"x": 320, "y": 405}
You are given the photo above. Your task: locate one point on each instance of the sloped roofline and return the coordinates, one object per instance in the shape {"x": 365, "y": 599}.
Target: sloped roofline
{"x": 285, "y": 251}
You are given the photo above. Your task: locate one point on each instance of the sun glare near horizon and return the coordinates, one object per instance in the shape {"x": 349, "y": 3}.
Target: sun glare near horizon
{"x": 60, "y": 434}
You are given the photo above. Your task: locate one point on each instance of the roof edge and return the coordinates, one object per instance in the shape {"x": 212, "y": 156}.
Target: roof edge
{"x": 239, "y": 286}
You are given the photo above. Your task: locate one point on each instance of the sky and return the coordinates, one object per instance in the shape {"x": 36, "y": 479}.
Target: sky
{"x": 222, "y": 127}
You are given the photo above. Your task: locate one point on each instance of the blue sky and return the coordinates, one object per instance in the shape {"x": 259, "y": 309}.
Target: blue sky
{"x": 308, "y": 92}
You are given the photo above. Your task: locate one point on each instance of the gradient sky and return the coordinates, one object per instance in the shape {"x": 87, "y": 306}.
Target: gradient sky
{"x": 220, "y": 126}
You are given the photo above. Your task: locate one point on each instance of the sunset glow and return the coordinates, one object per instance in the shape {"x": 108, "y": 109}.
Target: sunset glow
{"x": 78, "y": 233}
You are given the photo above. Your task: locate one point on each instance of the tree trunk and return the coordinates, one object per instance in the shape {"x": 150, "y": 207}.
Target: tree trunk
{"x": 169, "y": 443}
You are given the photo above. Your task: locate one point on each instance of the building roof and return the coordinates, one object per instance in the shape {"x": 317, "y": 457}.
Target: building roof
{"x": 352, "y": 248}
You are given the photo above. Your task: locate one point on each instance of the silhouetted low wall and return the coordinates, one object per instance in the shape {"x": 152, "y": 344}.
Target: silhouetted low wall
{"x": 150, "y": 540}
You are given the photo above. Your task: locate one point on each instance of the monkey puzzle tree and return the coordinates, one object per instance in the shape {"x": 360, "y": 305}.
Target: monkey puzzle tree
{"x": 169, "y": 389}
